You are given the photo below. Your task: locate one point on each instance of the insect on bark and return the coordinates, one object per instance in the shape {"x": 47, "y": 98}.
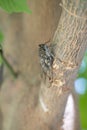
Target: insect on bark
{"x": 46, "y": 56}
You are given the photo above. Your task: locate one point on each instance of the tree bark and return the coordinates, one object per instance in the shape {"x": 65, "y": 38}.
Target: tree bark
{"x": 28, "y": 103}
{"x": 70, "y": 39}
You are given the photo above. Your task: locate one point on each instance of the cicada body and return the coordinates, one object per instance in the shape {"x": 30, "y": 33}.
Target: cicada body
{"x": 46, "y": 56}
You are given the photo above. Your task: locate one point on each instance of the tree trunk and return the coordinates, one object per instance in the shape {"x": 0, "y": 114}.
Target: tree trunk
{"x": 27, "y": 102}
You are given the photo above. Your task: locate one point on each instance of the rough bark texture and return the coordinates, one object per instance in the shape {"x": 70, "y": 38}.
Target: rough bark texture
{"x": 25, "y": 103}
{"x": 71, "y": 42}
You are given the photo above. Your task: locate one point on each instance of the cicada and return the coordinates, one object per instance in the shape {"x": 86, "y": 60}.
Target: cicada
{"x": 46, "y": 55}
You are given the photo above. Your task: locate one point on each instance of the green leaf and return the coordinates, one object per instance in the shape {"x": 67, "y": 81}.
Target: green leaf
{"x": 12, "y": 6}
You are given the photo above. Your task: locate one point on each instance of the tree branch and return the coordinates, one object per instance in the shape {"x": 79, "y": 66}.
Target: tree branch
{"x": 70, "y": 39}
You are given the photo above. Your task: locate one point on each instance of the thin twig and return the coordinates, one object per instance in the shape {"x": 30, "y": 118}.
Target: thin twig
{"x": 8, "y": 65}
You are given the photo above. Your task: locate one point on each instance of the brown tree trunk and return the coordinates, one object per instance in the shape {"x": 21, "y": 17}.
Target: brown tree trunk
{"x": 26, "y": 103}
{"x": 70, "y": 39}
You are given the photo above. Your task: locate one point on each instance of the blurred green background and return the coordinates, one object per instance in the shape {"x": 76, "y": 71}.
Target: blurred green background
{"x": 81, "y": 89}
